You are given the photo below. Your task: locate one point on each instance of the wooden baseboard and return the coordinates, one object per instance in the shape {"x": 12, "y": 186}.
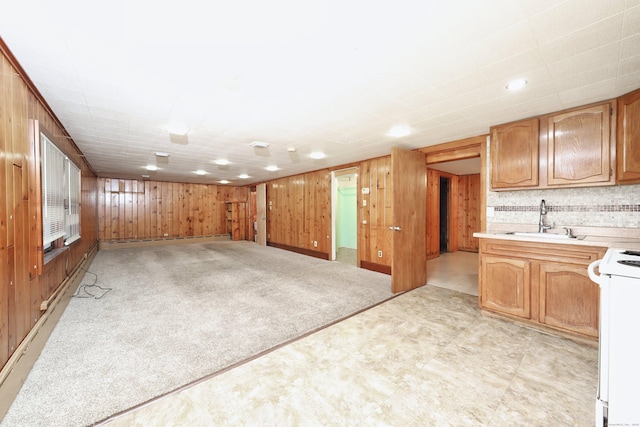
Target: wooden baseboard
{"x": 135, "y": 243}
{"x": 309, "y": 252}
{"x": 380, "y": 268}
{"x": 15, "y": 372}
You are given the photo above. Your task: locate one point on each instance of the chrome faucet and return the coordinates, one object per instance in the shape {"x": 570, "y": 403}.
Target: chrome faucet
{"x": 542, "y": 225}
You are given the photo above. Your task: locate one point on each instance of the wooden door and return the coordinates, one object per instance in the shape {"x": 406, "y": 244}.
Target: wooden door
{"x": 409, "y": 213}
{"x": 261, "y": 202}
{"x": 628, "y": 153}
{"x": 568, "y": 298}
{"x": 505, "y": 285}
{"x": 514, "y": 154}
{"x": 579, "y": 147}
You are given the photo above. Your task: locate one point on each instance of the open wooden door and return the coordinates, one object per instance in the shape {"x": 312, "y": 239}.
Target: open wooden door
{"x": 409, "y": 213}
{"x": 261, "y": 214}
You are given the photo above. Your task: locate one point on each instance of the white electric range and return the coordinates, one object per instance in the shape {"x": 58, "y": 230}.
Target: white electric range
{"x": 618, "y": 397}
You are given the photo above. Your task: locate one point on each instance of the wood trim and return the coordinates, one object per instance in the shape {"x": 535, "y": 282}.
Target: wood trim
{"x": 455, "y": 150}
{"x": 380, "y": 268}
{"x": 303, "y": 251}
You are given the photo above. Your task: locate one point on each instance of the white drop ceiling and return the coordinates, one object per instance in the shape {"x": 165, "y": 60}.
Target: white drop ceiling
{"x": 331, "y": 76}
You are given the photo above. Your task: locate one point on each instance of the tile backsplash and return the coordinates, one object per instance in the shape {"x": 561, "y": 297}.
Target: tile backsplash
{"x": 613, "y": 206}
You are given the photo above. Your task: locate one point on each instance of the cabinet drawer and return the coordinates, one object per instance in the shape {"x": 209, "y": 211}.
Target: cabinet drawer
{"x": 555, "y": 252}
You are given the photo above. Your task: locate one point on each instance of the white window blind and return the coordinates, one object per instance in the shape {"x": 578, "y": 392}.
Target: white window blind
{"x": 53, "y": 192}
{"x": 72, "y": 202}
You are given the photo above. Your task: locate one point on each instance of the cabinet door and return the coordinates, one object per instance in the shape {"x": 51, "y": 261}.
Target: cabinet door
{"x": 568, "y": 298}
{"x": 506, "y": 285}
{"x": 514, "y": 155}
{"x": 579, "y": 147}
{"x": 628, "y": 141}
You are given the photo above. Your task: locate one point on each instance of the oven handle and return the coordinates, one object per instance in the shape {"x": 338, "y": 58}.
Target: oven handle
{"x": 592, "y": 272}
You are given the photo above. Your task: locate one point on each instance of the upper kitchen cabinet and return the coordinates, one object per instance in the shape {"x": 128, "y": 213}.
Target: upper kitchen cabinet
{"x": 579, "y": 148}
{"x": 514, "y": 155}
{"x": 628, "y": 138}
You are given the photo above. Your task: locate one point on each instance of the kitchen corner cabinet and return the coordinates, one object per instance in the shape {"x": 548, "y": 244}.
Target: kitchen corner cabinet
{"x": 514, "y": 154}
{"x": 628, "y": 138}
{"x": 540, "y": 284}
{"x": 579, "y": 149}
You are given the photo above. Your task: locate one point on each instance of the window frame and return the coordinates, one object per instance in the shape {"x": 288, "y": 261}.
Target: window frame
{"x": 63, "y": 177}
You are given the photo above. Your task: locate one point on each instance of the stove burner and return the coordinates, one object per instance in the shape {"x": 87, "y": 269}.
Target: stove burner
{"x": 629, "y": 262}
{"x": 633, "y": 253}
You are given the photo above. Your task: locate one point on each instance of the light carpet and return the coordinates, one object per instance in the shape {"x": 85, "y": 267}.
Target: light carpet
{"x": 176, "y": 314}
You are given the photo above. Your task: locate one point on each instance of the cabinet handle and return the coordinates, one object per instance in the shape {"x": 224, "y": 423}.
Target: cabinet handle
{"x": 395, "y": 228}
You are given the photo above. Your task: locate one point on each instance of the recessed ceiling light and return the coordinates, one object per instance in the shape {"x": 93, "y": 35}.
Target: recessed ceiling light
{"x": 259, "y": 144}
{"x": 200, "y": 172}
{"x": 399, "y": 131}
{"x": 244, "y": 176}
{"x": 291, "y": 149}
{"x": 146, "y": 176}
{"x": 152, "y": 167}
{"x": 224, "y": 181}
{"x": 272, "y": 168}
{"x": 161, "y": 154}
{"x": 317, "y": 155}
{"x": 222, "y": 162}
{"x": 516, "y": 84}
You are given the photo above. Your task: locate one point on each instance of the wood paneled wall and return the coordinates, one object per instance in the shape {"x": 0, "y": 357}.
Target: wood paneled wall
{"x": 299, "y": 211}
{"x": 464, "y": 215}
{"x": 468, "y": 212}
{"x": 433, "y": 213}
{"x": 26, "y": 279}
{"x": 132, "y": 209}
{"x": 375, "y": 218}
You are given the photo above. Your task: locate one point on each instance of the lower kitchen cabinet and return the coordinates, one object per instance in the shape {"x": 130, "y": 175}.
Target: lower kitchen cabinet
{"x": 510, "y": 285}
{"x": 541, "y": 284}
{"x": 568, "y": 298}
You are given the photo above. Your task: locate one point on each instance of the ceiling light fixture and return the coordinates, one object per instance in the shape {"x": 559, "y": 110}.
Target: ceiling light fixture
{"x": 224, "y": 181}
{"x": 151, "y": 167}
{"x": 146, "y": 176}
{"x": 176, "y": 129}
{"x": 259, "y": 144}
{"x": 291, "y": 149}
{"x": 200, "y": 172}
{"x": 161, "y": 154}
{"x": 222, "y": 162}
{"x": 516, "y": 84}
{"x": 317, "y": 155}
{"x": 272, "y": 168}
{"x": 399, "y": 131}
{"x": 244, "y": 176}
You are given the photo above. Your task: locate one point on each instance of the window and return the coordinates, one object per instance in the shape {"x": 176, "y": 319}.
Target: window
{"x": 60, "y": 197}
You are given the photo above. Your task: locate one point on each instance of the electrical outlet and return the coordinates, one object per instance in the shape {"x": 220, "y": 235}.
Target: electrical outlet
{"x": 379, "y": 254}
{"x": 315, "y": 243}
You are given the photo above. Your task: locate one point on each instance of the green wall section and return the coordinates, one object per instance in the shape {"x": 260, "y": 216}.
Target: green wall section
{"x": 347, "y": 218}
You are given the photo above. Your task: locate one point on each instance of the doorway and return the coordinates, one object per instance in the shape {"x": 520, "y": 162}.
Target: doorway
{"x": 444, "y": 213}
{"x": 344, "y": 208}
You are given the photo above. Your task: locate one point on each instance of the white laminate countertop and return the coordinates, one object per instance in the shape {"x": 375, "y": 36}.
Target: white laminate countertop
{"x": 601, "y": 241}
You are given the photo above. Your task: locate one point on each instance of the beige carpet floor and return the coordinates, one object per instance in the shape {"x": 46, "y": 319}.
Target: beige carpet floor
{"x": 178, "y": 313}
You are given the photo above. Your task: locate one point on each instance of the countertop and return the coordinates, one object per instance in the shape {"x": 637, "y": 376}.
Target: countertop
{"x": 583, "y": 240}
